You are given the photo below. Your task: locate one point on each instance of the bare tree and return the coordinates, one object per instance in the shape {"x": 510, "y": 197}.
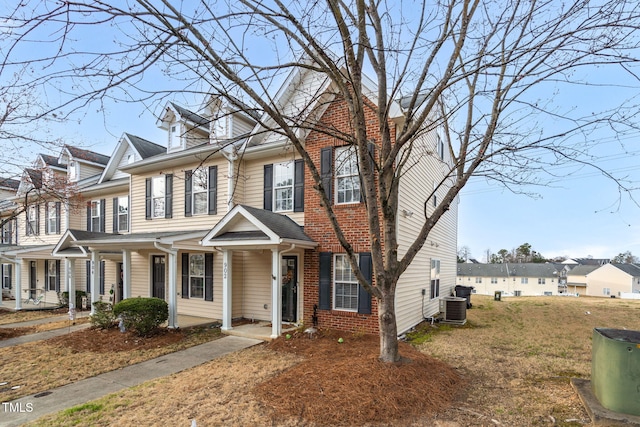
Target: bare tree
{"x": 464, "y": 253}
{"x": 486, "y": 72}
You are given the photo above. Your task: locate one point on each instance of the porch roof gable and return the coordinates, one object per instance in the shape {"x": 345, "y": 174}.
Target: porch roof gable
{"x": 259, "y": 227}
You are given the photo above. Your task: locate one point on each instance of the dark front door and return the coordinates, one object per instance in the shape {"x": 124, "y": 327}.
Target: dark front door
{"x": 157, "y": 276}
{"x": 33, "y": 283}
{"x": 289, "y": 271}
{"x": 120, "y": 282}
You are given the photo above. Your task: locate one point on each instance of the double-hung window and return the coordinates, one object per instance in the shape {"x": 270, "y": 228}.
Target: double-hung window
{"x": 435, "y": 278}
{"x": 541, "y": 280}
{"x": 10, "y": 232}
{"x": 196, "y": 276}
{"x": 158, "y": 196}
{"x": 52, "y": 275}
{"x": 524, "y": 280}
{"x": 95, "y": 215}
{"x": 347, "y": 177}
{"x": 32, "y": 220}
{"x": 283, "y": 186}
{"x": 200, "y": 191}
{"x": 345, "y": 284}
{"x": 121, "y": 214}
{"x": 53, "y": 211}
{"x": 478, "y": 279}
{"x": 6, "y": 276}
{"x": 494, "y": 280}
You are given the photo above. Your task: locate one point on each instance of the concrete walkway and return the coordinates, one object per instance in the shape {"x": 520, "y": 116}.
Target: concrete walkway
{"x": 31, "y": 407}
{"x": 42, "y": 335}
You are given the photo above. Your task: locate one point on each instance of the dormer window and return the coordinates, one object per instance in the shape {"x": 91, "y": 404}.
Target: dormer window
{"x": 174, "y": 136}
{"x": 222, "y": 128}
{"x": 73, "y": 171}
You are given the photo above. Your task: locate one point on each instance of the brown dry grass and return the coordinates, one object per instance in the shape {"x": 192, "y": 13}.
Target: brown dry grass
{"x": 515, "y": 357}
{"x": 6, "y": 333}
{"x": 42, "y": 365}
{"x": 9, "y": 316}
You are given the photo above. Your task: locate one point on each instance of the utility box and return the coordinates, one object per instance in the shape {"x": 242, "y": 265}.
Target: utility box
{"x": 615, "y": 369}
{"x": 497, "y": 296}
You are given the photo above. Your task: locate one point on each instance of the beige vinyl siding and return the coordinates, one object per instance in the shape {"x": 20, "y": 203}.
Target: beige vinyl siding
{"x": 179, "y": 221}
{"x": 194, "y": 137}
{"x": 87, "y": 170}
{"x": 240, "y": 127}
{"x": 124, "y": 161}
{"x": 415, "y": 187}
{"x": 198, "y": 306}
{"x": 253, "y": 174}
{"x": 41, "y": 238}
{"x": 608, "y": 276}
{"x": 256, "y": 288}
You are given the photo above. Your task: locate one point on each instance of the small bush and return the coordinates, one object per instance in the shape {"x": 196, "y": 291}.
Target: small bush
{"x": 142, "y": 315}
{"x": 103, "y": 317}
{"x": 64, "y": 299}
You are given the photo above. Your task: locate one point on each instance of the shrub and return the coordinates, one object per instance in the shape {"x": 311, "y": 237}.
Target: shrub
{"x": 64, "y": 299}
{"x": 143, "y": 315}
{"x": 103, "y": 317}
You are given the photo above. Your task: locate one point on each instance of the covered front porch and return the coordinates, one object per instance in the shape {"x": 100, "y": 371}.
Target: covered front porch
{"x": 270, "y": 248}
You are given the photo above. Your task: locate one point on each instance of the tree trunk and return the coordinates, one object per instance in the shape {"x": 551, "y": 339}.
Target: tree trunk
{"x": 388, "y": 329}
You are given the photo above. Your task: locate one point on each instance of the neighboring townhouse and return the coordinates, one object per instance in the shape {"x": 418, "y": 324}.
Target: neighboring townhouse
{"x": 577, "y": 279}
{"x": 517, "y": 279}
{"x": 614, "y": 280}
{"x": 223, "y": 222}
{"x": 44, "y": 207}
{"x": 8, "y": 232}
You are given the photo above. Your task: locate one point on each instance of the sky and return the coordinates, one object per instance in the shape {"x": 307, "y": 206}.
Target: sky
{"x": 580, "y": 214}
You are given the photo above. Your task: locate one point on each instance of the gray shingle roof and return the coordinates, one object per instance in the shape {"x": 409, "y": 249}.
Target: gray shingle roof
{"x": 9, "y": 183}
{"x": 281, "y": 225}
{"x": 52, "y": 161}
{"x": 146, "y": 148}
{"x": 630, "y": 269}
{"x": 190, "y": 115}
{"x": 88, "y": 155}
{"x": 582, "y": 270}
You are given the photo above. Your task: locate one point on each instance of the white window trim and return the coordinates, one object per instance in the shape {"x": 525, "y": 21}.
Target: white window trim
{"x": 194, "y": 176}
{"x": 156, "y": 183}
{"x": 434, "y": 275}
{"x": 120, "y": 214}
{"x": 350, "y": 176}
{"x": 290, "y": 166}
{"x": 542, "y": 281}
{"x": 5, "y": 275}
{"x": 52, "y": 219}
{"x": 524, "y": 280}
{"x": 335, "y": 282}
{"x": 193, "y": 276}
{"x": 32, "y": 220}
{"x": 95, "y": 214}
{"x": 51, "y": 275}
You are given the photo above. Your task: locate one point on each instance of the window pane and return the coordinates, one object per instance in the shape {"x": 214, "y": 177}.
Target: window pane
{"x": 196, "y": 265}
{"x": 200, "y": 203}
{"x": 196, "y": 288}
{"x": 158, "y": 207}
{"x": 284, "y": 199}
{"x": 200, "y": 180}
{"x": 158, "y": 186}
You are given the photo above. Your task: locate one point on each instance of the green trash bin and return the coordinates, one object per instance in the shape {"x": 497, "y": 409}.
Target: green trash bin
{"x": 497, "y": 296}
{"x": 615, "y": 369}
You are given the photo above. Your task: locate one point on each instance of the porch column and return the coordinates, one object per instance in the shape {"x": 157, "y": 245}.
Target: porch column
{"x": 276, "y": 294}
{"x": 126, "y": 274}
{"x": 71, "y": 280}
{"x": 227, "y": 265}
{"x": 172, "y": 322}
{"x": 95, "y": 279}
{"x": 18, "y": 294}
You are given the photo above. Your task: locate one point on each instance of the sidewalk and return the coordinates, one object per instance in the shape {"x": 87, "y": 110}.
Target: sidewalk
{"x": 30, "y": 408}
{"x": 42, "y": 335}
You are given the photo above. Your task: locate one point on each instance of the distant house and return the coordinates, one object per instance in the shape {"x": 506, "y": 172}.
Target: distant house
{"x": 614, "y": 280}
{"x": 516, "y": 279}
{"x": 587, "y": 261}
{"x": 577, "y": 278}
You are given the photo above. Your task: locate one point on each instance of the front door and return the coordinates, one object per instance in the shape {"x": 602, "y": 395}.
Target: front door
{"x": 289, "y": 272}
{"x": 120, "y": 283}
{"x": 157, "y": 276}
{"x": 33, "y": 282}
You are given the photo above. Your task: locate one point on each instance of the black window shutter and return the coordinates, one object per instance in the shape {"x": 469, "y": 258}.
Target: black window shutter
{"x": 213, "y": 190}
{"x": 46, "y": 274}
{"x": 326, "y": 170}
{"x": 115, "y": 215}
{"x": 364, "y": 297}
{"x": 37, "y": 219}
{"x": 101, "y": 277}
{"x": 324, "y": 296}
{"x": 208, "y": 277}
{"x": 268, "y": 188}
{"x": 188, "y": 192}
{"x": 10, "y": 273}
{"x": 9, "y": 226}
{"x": 89, "y": 217}
{"x": 46, "y": 220}
{"x": 185, "y": 275}
{"x": 298, "y": 186}
{"x": 147, "y": 198}
{"x": 57, "y": 275}
{"x": 168, "y": 196}
{"x": 103, "y": 214}
{"x": 58, "y": 213}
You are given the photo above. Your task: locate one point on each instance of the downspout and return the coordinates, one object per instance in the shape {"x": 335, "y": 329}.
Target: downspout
{"x": 173, "y": 263}
{"x": 231, "y": 158}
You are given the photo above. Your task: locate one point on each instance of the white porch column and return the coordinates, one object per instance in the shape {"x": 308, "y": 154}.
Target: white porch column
{"x": 71, "y": 280}
{"x": 227, "y": 265}
{"x": 18, "y": 295}
{"x": 95, "y": 279}
{"x": 276, "y": 294}
{"x": 126, "y": 274}
{"x": 173, "y": 302}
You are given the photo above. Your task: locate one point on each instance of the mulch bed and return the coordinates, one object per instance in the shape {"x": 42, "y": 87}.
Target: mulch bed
{"x": 112, "y": 340}
{"x": 345, "y": 383}
{"x": 6, "y": 333}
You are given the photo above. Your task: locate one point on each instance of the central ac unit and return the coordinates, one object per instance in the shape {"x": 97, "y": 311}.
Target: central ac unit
{"x": 454, "y": 310}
